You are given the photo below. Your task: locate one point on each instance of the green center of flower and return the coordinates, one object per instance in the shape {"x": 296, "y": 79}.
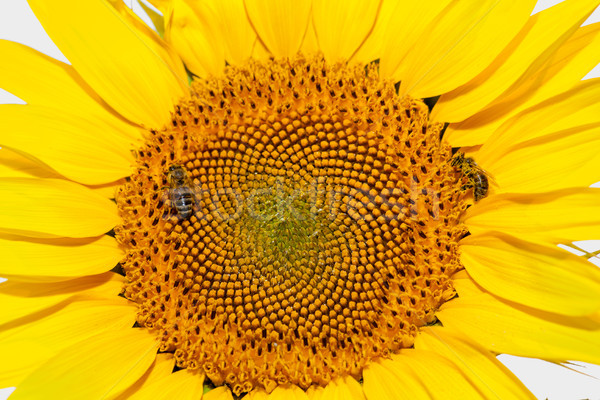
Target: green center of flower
{"x": 296, "y": 221}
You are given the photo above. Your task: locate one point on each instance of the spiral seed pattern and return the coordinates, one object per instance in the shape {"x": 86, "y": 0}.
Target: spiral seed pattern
{"x": 324, "y": 230}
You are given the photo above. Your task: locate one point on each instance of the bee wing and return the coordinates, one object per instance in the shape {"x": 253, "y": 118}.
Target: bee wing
{"x": 168, "y": 206}
{"x": 489, "y": 177}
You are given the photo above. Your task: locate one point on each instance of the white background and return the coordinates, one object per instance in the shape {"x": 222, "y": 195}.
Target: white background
{"x": 545, "y": 380}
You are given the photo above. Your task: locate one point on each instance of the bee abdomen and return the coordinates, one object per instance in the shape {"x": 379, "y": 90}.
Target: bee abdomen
{"x": 184, "y": 203}
{"x": 480, "y": 187}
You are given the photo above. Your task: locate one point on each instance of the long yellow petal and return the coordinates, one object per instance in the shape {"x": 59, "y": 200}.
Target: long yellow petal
{"x": 342, "y": 26}
{"x": 236, "y": 32}
{"x": 479, "y": 365}
{"x": 74, "y": 323}
{"x": 80, "y": 148}
{"x": 288, "y": 392}
{"x": 280, "y": 25}
{"x": 157, "y": 19}
{"x": 574, "y": 108}
{"x": 382, "y": 381}
{"x": 417, "y": 374}
{"x": 19, "y": 300}
{"x": 102, "y": 362}
{"x": 461, "y": 43}
{"x": 48, "y": 260}
{"x": 152, "y": 41}
{"x": 193, "y": 30}
{"x": 257, "y": 394}
{"x": 537, "y": 43}
{"x": 184, "y": 385}
{"x": 373, "y": 46}
{"x": 346, "y": 388}
{"x": 15, "y": 165}
{"x": 43, "y": 80}
{"x": 406, "y": 22}
{"x": 555, "y": 217}
{"x": 112, "y": 58}
{"x": 161, "y": 368}
{"x": 219, "y": 393}
{"x": 53, "y": 207}
{"x": 107, "y": 190}
{"x": 572, "y": 61}
{"x": 504, "y": 327}
{"x": 567, "y": 158}
{"x": 540, "y": 276}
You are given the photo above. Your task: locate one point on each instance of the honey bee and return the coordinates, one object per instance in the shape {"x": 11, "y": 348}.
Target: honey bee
{"x": 181, "y": 192}
{"x": 478, "y": 179}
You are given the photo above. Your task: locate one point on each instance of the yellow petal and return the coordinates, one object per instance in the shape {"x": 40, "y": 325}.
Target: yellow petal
{"x": 161, "y": 5}
{"x": 342, "y": 26}
{"x": 105, "y": 50}
{"x": 554, "y": 217}
{"x": 349, "y": 388}
{"x": 18, "y": 299}
{"x": 107, "y": 190}
{"x": 382, "y": 381}
{"x": 48, "y": 260}
{"x": 257, "y": 394}
{"x": 288, "y": 392}
{"x": 539, "y": 276}
{"x": 373, "y": 46}
{"x": 14, "y": 367}
{"x": 74, "y": 323}
{"x": 480, "y": 366}
{"x": 193, "y": 30}
{"x": 157, "y": 19}
{"x": 43, "y": 80}
{"x": 462, "y": 43}
{"x": 161, "y": 368}
{"x": 573, "y": 108}
{"x": 407, "y": 21}
{"x": 572, "y": 61}
{"x": 80, "y": 148}
{"x": 567, "y": 158}
{"x": 417, "y": 374}
{"x": 537, "y": 43}
{"x": 280, "y": 25}
{"x": 504, "y": 327}
{"x": 219, "y": 393}
{"x": 53, "y": 207}
{"x": 14, "y": 165}
{"x": 101, "y": 362}
{"x": 152, "y": 41}
{"x": 236, "y": 32}
{"x": 346, "y": 388}
{"x": 181, "y": 385}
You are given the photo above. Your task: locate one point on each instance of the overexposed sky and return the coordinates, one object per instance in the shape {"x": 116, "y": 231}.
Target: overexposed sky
{"x": 545, "y": 380}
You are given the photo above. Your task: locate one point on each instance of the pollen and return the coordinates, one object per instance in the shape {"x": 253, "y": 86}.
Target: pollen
{"x": 312, "y": 225}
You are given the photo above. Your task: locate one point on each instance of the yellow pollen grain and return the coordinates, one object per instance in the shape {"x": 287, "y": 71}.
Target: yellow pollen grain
{"x": 324, "y": 228}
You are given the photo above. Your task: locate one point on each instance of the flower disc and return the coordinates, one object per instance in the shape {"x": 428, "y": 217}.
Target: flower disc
{"x": 312, "y": 228}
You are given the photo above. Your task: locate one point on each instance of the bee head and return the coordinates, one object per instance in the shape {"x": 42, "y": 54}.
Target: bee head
{"x": 176, "y": 173}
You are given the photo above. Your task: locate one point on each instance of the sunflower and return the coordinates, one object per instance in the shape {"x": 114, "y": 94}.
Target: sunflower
{"x": 296, "y": 199}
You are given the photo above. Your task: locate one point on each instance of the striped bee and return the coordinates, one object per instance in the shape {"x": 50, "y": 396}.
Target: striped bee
{"x": 181, "y": 191}
{"x": 478, "y": 178}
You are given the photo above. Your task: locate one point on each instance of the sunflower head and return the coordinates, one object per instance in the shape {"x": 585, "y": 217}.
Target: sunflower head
{"x": 323, "y": 227}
